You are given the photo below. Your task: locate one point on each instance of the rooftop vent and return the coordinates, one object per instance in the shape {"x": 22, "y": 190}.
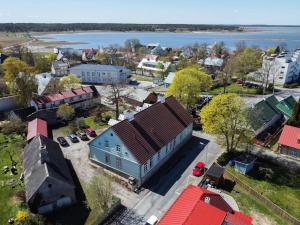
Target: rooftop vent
{"x": 207, "y": 199}
{"x": 44, "y": 154}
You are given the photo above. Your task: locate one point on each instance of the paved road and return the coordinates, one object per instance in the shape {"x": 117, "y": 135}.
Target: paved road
{"x": 174, "y": 177}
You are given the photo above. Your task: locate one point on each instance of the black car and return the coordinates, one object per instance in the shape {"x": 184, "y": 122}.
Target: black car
{"x": 62, "y": 141}
{"x": 73, "y": 138}
{"x": 83, "y": 136}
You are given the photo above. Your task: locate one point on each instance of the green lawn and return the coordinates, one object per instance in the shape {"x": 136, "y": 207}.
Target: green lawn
{"x": 282, "y": 188}
{"x": 141, "y": 78}
{"x": 251, "y": 206}
{"x": 92, "y": 124}
{"x": 9, "y": 204}
{"x": 234, "y": 88}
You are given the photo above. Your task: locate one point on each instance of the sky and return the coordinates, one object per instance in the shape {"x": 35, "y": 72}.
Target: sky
{"x": 271, "y": 12}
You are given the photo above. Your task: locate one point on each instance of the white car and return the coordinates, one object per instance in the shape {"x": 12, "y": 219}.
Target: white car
{"x": 152, "y": 220}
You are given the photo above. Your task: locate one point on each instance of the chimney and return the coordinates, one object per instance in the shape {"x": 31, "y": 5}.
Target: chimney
{"x": 44, "y": 154}
{"x": 161, "y": 98}
{"x": 207, "y": 199}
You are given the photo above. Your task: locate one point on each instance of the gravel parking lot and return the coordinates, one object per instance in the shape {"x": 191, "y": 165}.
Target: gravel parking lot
{"x": 78, "y": 153}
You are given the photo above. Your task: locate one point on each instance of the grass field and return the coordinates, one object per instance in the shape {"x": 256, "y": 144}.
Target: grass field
{"x": 282, "y": 188}
{"x": 141, "y": 78}
{"x": 9, "y": 203}
{"x": 92, "y": 124}
{"x": 251, "y": 206}
{"x": 234, "y": 88}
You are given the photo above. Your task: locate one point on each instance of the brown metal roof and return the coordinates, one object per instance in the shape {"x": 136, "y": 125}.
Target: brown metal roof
{"x": 153, "y": 128}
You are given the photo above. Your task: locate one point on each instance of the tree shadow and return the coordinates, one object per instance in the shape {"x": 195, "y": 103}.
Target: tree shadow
{"x": 76, "y": 214}
{"x": 173, "y": 169}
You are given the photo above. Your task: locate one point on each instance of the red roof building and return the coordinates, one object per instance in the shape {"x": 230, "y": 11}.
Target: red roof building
{"x": 198, "y": 206}
{"x": 289, "y": 141}
{"x": 37, "y": 127}
{"x": 64, "y": 97}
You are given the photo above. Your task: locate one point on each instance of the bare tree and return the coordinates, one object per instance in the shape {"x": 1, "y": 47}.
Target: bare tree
{"x": 99, "y": 193}
{"x": 116, "y": 95}
{"x": 269, "y": 70}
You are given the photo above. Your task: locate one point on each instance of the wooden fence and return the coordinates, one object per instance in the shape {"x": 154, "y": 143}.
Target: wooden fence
{"x": 279, "y": 211}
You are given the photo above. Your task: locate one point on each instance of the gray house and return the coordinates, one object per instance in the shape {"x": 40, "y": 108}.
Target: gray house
{"x": 48, "y": 182}
{"x": 139, "y": 145}
{"x": 101, "y": 74}
{"x": 60, "y": 68}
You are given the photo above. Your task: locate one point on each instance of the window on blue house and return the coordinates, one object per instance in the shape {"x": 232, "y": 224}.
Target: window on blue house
{"x": 118, "y": 148}
{"x": 145, "y": 168}
{"x": 106, "y": 143}
{"x": 158, "y": 156}
{"x": 119, "y": 163}
{"x": 107, "y": 158}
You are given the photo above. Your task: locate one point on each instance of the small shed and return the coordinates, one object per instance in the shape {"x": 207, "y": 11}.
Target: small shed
{"x": 215, "y": 174}
{"x": 37, "y": 127}
{"x": 244, "y": 163}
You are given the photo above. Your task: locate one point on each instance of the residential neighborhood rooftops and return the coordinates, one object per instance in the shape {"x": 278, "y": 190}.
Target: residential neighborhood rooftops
{"x": 195, "y": 201}
{"x": 290, "y": 137}
{"x": 43, "y": 158}
{"x": 37, "y": 127}
{"x": 152, "y": 128}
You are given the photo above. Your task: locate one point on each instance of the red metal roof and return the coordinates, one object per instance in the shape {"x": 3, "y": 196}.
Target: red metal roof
{"x": 289, "y": 137}
{"x": 63, "y": 95}
{"x": 37, "y": 127}
{"x": 190, "y": 208}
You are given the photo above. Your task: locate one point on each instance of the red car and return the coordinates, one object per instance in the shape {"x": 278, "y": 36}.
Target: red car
{"x": 90, "y": 132}
{"x": 199, "y": 169}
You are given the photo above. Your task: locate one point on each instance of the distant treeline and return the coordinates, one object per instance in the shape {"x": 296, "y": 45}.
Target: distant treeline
{"x": 57, "y": 27}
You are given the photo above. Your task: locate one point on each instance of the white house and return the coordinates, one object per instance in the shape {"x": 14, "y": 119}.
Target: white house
{"x": 149, "y": 67}
{"x": 283, "y": 68}
{"x": 140, "y": 144}
{"x": 101, "y": 74}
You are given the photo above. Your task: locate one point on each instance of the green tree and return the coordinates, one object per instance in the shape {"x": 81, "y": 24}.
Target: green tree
{"x": 12, "y": 67}
{"x": 102, "y": 57}
{"x": 248, "y": 61}
{"x": 99, "y": 193}
{"x": 226, "y": 117}
{"x": 51, "y": 57}
{"x": 42, "y": 63}
{"x": 188, "y": 85}
{"x": 66, "y": 112}
{"x": 70, "y": 81}
{"x": 295, "y": 119}
{"x": 132, "y": 44}
{"x": 24, "y": 87}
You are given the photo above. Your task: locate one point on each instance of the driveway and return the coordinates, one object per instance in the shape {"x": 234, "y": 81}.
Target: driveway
{"x": 175, "y": 176}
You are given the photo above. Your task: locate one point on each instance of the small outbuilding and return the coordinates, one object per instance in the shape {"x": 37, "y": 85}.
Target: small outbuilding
{"x": 37, "y": 127}
{"x": 244, "y": 163}
{"x": 215, "y": 174}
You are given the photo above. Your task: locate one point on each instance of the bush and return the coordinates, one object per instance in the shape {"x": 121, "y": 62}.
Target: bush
{"x": 107, "y": 116}
{"x": 292, "y": 85}
{"x": 80, "y": 123}
{"x": 226, "y": 157}
{"x": 13, "y": 126}
{"x": 21, "y": 215}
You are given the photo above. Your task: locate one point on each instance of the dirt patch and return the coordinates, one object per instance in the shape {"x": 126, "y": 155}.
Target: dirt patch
{"x": 259, "y": 219}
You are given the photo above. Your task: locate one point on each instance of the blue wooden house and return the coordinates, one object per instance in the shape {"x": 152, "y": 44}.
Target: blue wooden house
{"x": 139, "y": 145}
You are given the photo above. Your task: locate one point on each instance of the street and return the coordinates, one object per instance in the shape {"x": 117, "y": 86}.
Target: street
{"x": 163, "y": 189}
